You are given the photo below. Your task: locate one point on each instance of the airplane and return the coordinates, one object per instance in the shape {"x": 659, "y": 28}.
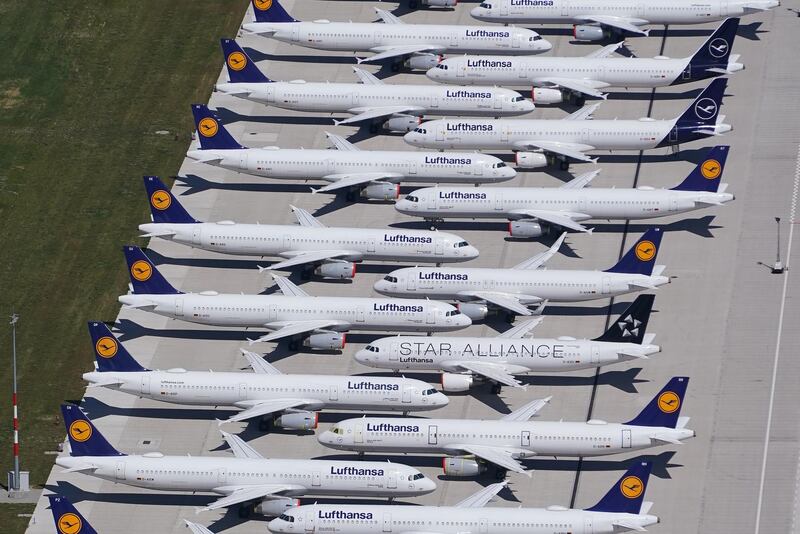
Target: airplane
{"x": 621, "y": 509}
{"x": 316, "y": 322}
{"x": 285, "y": 401}
{"x": 597, "y": 20}
{"x": 540, "y": 142}
{"x": 262, "y": 485}
{"x": 418, "y": 46}
{"x": 464, "y": 361}
{"x": 534, "y": 211}
{"x": 572, "y": 79}
{"x": 502, "y": 442}
{"x": 398, "y": 108}
{"x": 530, "y": 283}
{"x": 372, "y": 174}
{"x": 330, "y": 253}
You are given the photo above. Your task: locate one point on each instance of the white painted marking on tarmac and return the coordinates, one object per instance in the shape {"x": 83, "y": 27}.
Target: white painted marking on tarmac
{"x": 792, "y": 213}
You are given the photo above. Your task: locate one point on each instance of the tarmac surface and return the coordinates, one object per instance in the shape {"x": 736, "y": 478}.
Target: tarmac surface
{"x": 725, "y": 321}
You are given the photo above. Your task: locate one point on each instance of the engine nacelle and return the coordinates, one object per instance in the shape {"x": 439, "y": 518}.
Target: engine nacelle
{"x": 585, "y": 32}
{"x": 381, "y": 191}
{"x": 297, "y": 420}
{"x": 423, "y": 61}
{"x": 530, "y": 160}
{"x": 402, "y": 123}
{"x": 455, "y": 383}
{"x": 275, "y": 507}
{"x": 476, "y": 312}
{"x": 326, "y": 341}
{"x": 525, "y": 229}
{"x": 338, "y": 270}
{"x": 460, "y": 466}
{"x": 545, "y": 95}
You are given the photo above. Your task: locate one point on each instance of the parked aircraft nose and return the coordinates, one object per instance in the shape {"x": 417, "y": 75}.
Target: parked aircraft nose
{"x": 414, "y": 138}
{"x": 383, "y": 287}
{"x": 542, "y": 45}
{"x": 329, "y": 439}
{"x": 479, "y": 12}
{"x": 471, "y": 252}
{"x": 277, "y": 525}
{"x": 426, "y": 485}
{"x": 364, "y": 357}
{"x": 440, "y": 399}
{"x": 404, "y": 206}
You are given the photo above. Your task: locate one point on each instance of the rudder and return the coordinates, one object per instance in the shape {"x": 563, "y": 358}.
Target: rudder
{"x": 664, "y": 409}
{"x": 707, "y": 175}
{"x": 241, "y": 69}
{"x": 109, "y": 353}
{"x": 705, "y": 108}
{"x": 210, "y": 131}
{"x": 164, "y": 207}
{"x": 67, "y": 518}
{"x": 631, "y": 326}
{"x": 84, "y": 438}
{"x": 714, "y": 53}
{"x": 641, "y": 257}
{"x": 627, "y": 495}
{"x": 271, "y": 11}
{"x": 145, "y": 278}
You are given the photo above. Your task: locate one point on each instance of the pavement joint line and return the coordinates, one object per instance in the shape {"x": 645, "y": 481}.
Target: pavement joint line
{"x": 776, "y": 359}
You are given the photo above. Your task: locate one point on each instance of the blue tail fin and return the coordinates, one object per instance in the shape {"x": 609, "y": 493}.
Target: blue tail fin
{"x": 270, "y": 11}
{"x": 641, "y": 257}
{"x": 145, "y": 278}
{"x": 241, "y": 69}
{"x": 68, "y": 519}
{"x": 164, "y": 207}
{"x": 84, "y": 438}
{"x": 665, "y": 408}
{"x": 632, "y": 323}
{"x": 109, "y": 353}
{"x": 705, "y": 108}
{"x": 210, "y": 131}
{"x": 627, "y": 495}
{"x": 714, "y": 53}
{"x": 708, "y": 174}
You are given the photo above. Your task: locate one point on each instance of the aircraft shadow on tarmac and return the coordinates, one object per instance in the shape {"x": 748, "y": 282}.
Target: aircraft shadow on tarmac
{"x": 258, "y": 55}
{"x": 228, "y": 116}
{"x": 750, "y": 32}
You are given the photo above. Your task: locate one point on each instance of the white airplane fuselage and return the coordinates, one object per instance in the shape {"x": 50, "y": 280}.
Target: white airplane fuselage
{"x": 585, "y": 204}
{"x": 530, "y": 286}
{"x": 213, "y": 474}
{"x": 289, "y": 240}
{"x": 637, "y": 12}
{"x": 276, "y": 311}
{"x": 412, "y": 166}
{"x": 355, "y": 98}
{"x": 196, "y": 388}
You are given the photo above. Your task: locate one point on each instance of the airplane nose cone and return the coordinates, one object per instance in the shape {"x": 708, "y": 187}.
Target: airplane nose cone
{"x": 413, "y": 138}
{"x": 276, "y": 525}
{"x": 440, "y": 399}
{"x": 362, "y": 357}
{"x": 472, "y": 252}
{"x": 544, "y": 45}
{"x": 433, "y": 73}
{"x": 403, "y": 205}
{"x": 326, "y": 438}
{"x": 509, "y": 172}
{"x": 427, "y": 485}
{"x": 463, "y": 321}
{"x": 381, "y": 286}
{"x": 477, "y": 12}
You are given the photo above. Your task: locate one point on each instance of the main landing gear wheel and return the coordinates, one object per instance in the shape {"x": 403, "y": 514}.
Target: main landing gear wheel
{"x": 500, "y": 473}
{"x": 563, "y": 165}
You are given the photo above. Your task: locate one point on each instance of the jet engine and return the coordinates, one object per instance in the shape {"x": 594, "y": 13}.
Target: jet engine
{"x": 338, "y": 270}
{"x": 402, "y": 123}
{"x": 530, "y": 160}
{"x": 297, "y": 420}
{"x": 326, "y": 341}
{"x": 275, "y": 507}
{"x": 525, "y": 229}
{"x": 460, "y": 466}
{"x": 545, "y": 95}
{"x": 423, "y": 61}
{"x": 585, "y": 32}
{"x": 381, "y": 191}
{"x": 439, "y": 3}
{"x": 476, "y": 312}
{"x": 455, "y": 383}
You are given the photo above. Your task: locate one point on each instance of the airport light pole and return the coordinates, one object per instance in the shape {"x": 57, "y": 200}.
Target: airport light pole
{"x": 14, "y": 319}
{"x": 777, "y": 267}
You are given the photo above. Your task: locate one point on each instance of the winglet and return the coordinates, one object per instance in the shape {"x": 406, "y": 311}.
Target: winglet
{"x": 259, "y": 364}
{"x": 367, "y": 78}
{"x": 288, "y": 288}
{"x": 239, "y": 448}
{"x": 196, "y": 528}
{"x": 340, "y": 143}
{"x": 527, "y": 411}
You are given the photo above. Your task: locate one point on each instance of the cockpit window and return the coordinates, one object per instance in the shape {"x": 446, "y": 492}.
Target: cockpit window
{"x": 337, "y": 430}
{"x": 535, "y": 38}
{"x": 486, "y": 5}
{"x": 518, "y": 99}
{"x": 287, "y": 518}
{"x": 389, "y": 278}
{"x": 412, "y": 198}
{"x": 462, "y": 244}
{"x": 431, "y": 391}
{"x": 416, "y": 477}
{"x": 451, "y": 313}
{"x": 371, "y": 348}
{"x": 421, "y": 130}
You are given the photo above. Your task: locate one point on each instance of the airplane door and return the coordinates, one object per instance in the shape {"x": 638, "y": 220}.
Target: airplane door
{"x": 431, "y": 204}
{"x": 391, "y": 480}
{"x": 387, "y": 522}
{"x": 412, "y": 168}
{"x": 222, "y": 476}
{"x": 606, "y": 289}
{"x": 406, "y": 395}
{"x": 309, "y": 524}
{"x": 498, "y": 201}
{"x": 242, "y": 391}
{"x": 333, "y": 393}
{"x": 371, "y": 245}
{"x": 315, "y": 479}
{"x": 687, "y": 72}
{"x": 497, "y": 102}
{"x": 525, "y": 438}
{"x": 196, "y": 235}
{"x": 440, "y": 135}
{"x": 673, "y": 204}
{"x": 393, "y": 352}
{"x": 626, "y": 439}
{"x": 454, "y": 39}
{"x": 429, "y": 318}
{"x": 461, "y": 70}
{"x": 295, "y": 33}
{"x": 360, "y": 315}
{"x": 673, "y": 134}
{"x": 179, "y": 306}
{"x": 515, "y": 39}
{"x": 411, "y": 283}
{"x": 273, "y": 313}
{"x": 564, "y": 8}
{"x": 503, "y": 8}
{"x": 484, "y": 526}
{"x": 287, "y": 242}
{"x": 120, "y": 471}
{"x": 433, "y": 434}
{"x": 359, "y": 434}
{"x": 587, "y": 525}
{"x": 595, "y": 353}
{"x": 504, "y": 133}
{"x": 439, "y": 246}
{"x": 145, "y": 384}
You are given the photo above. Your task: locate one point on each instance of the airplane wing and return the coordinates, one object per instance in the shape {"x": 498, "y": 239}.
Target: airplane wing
{"x": 197, "y": 529}
{"x": 341, "y": 181}
{"x": 527, "y": 411}
{"x": 538, "y": 261}
{"x": 501, "y": 300}
{"x": 367, "y": 78}
{"x": 481, "y": 498}
{"x": 386, "y": 52}
{"x": 570, "y": 150}
{"x": 266, "y": 408}
{"x": 298, "y": 327}
{"x": 587, "y": 87}
{"x": 374, "y": 113}
{"x": 581, "y": 181}
{"x": 583, "y": 114}
{"x": 340, "y": 143}
{"x": 628, "y": 25}
{"x": 492, "y": 371}
{"x": 240, "y": 494}
{"x": 521, "y": 329}
{"x": 304, "y": 218}
{"x": 288, "y": 287}
{"x": 606, "y": 50}
{"x": 496, "y": 455}
{"x": 239, "y": 448}
{"x": 387, "y": 17}
{"x": 563, "y": 219}
{"x": 259, "y": 364}
{"x": 306, "y": 257}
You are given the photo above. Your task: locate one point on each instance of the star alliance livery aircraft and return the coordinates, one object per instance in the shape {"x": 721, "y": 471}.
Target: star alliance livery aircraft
{"x": 621, "y": 509}
{"x": 325, "y": 252}
{"x": 498, "y": 359}
{"x": 375, "y": 174}
{"x": 504, "y": 441}
{"x": 319, "y": 322}
{"x": 541, "y": 142}
{"x": 533, "y": 211}
{"x": 421, "y": 45}
{"x": 571, "y": 79}
{"x": 285, "y": 401}
{"x": 264, "y": 485}
{"x": 596, "y": 20}
{"x": 399, "y": 108}
{"x": 529, "y": 283}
